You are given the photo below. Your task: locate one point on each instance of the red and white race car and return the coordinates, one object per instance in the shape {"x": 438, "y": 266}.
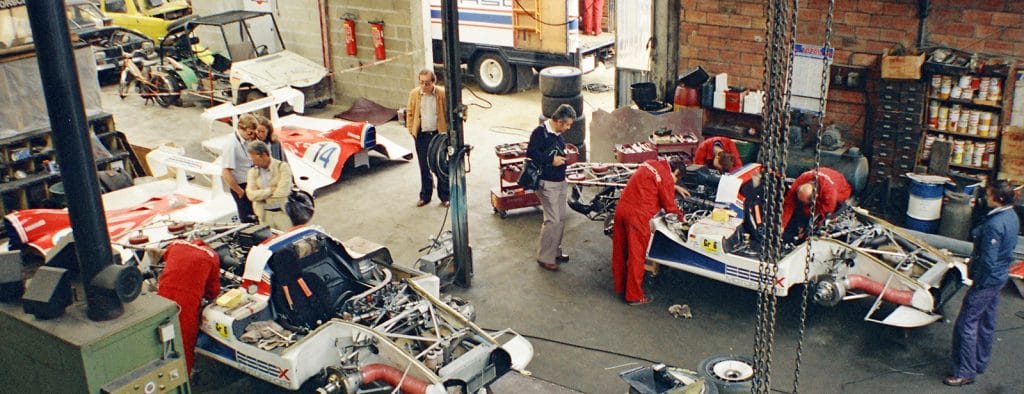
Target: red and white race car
{"x": 316, "y": 149}
{"x": 148, "y": 210}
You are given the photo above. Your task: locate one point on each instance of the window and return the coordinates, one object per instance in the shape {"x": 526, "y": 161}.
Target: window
{"x": 115, "y": 5}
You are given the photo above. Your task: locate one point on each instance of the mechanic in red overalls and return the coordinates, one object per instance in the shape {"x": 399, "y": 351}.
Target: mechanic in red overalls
{"x": 650, "y": 189}
{"x": 796, "y": 208}
{"x": 708, "y": 150}
{"x": 191, "y": 273}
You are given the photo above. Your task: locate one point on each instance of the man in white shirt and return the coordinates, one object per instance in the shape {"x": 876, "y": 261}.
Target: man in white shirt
{"x": 236, "y": 163}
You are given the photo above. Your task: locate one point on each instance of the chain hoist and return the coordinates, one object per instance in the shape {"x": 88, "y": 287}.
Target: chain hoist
{"x": 780, "y": 41}
{"x": 812, "y": 225}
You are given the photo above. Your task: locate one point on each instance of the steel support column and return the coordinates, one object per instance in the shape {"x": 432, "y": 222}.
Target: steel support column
{"x": 457, "y": 149}
{"x": 59, "y": 75}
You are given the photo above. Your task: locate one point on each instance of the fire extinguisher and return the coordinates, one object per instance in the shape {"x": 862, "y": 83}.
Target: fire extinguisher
{"x": 350, "y": 35}
{"x": 377, "y": 28}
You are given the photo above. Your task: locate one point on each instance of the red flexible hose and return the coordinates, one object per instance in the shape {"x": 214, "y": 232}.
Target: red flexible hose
{"x": 391, "y": 375}
{"x": 863, "y": 283}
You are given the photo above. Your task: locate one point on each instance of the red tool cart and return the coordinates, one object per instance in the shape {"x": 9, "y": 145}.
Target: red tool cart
{"x": 508, "y": 195}
{"x": 681, "y": 145}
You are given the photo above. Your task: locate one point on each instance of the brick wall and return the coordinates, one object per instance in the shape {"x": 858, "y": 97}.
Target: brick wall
{"x": 386, "y": 82}
{"x": 728, "y": 36}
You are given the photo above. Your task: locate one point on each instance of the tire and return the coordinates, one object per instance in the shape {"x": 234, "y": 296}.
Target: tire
{"x": 577, "y": 134}
{"x": 561, "y": 81}
{"x": 732, "y": 374}
{"x": 548, "y": 104}
{"x": 493, "y": 73}
{"x": 167, "y": 93}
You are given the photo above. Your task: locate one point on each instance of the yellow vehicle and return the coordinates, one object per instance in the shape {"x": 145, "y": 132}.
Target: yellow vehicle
{"x": 150, "y": 17}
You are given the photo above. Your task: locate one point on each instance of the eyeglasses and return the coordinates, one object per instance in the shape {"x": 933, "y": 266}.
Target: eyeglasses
{"x": 427, "y": 82}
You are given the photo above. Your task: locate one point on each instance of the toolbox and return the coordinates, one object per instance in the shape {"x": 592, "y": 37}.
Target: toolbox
{"x": 508, "y": 195}
{"x": 636, "y": 153}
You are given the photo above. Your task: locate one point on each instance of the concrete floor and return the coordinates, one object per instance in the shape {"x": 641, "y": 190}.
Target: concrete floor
{"x": 583, "y": 334}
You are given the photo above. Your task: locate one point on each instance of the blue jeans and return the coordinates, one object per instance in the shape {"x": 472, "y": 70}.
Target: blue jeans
{"x": 974, "y": 330}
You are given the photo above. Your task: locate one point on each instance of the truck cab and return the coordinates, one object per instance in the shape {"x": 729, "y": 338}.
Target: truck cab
{"x": 503, "y": 41}
{"x": 150, "y": 17}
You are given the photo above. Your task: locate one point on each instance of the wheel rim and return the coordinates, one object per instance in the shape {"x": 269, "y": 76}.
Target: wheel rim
{"x": 491, "y": 73}
{"x": 733, "y": 371}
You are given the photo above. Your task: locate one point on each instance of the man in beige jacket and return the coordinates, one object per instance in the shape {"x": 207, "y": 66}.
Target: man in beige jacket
{"x": 268, "y": 185}
{"x": 425, "y": 116}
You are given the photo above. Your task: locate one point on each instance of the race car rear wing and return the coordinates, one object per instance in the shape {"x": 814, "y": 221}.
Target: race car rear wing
{"x": 164, "y": 158}
{"x": 274, "y": 101}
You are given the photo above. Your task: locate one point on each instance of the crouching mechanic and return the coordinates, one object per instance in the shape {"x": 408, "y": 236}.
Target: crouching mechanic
{"x": 651, "y": 189}
{"x": 719, "y": 153}
{"x": 191, "y": 273}
{"x": 833, "y": 190}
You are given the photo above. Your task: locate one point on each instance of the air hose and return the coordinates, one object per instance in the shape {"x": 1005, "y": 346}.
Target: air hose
{"x": 438, "y": 159}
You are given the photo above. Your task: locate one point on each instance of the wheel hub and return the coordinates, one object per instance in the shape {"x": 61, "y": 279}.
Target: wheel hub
{"x": 733, "y": 371}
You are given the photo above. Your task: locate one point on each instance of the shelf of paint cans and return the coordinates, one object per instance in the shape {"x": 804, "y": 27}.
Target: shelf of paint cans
{"x": 959, "y": 120}
{"x": 968, "y": 90}
{"x": 967, "y": 154}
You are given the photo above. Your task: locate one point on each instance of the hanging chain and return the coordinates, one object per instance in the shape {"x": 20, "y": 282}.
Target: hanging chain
{"x": 780, "y": 41}
{"x": 812, "y": 225}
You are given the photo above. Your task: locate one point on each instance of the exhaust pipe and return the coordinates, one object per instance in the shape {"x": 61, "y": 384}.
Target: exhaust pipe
{"x": 863, "y": 283}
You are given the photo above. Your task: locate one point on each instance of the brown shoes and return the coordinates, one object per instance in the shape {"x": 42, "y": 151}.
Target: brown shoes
{"x": 446, "y": 204}
{"x": 420, "y": 203}
{"x": 548, "y": 266}
{"x": 957, "y": 381}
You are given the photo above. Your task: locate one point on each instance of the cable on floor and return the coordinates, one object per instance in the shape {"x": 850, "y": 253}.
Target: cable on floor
{"x": 489, "y": 104}
{"x": 497, "y": 130}
{"x": 891, "y": 370}
{"x": 597, "y": 87}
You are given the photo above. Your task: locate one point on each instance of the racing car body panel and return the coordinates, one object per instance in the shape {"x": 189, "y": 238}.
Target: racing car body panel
{"x": 132, "y": 210}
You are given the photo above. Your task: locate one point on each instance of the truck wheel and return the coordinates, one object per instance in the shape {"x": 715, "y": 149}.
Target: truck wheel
{"x": 494, "y": 74}
{"x": 561, "y": 81}
{"x": 732, "y": 374}
{"x": 548, "y": 104}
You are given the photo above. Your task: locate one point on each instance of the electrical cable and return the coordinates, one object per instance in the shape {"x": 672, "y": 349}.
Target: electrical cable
{"x": 495, "y": 129}
{"x": 489, "y": 104}
{"x": 577, "y": 346}
{"x": 597, "y": 87}
{"x": 588, "y": 348}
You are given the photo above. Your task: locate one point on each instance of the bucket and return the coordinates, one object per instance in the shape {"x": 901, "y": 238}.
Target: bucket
{"x": 644, "y": 94}
{"x": 925, "y": 206}
{"x": 57, "y": 194}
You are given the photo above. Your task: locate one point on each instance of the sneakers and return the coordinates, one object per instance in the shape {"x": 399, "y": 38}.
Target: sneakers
{"x": 956, "y": 381}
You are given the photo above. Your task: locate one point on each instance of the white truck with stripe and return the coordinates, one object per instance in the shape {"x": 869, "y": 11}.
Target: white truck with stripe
{"x": 503, "y": 41}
